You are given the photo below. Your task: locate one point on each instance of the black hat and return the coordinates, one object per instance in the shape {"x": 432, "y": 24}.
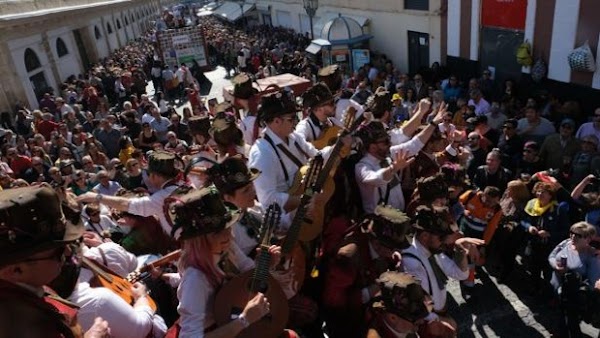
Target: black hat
{"x": 31, "y": 221}
{"x": 379, "y": 103}
{"x": 199, "y": 124}
{"x": 402, "y": 295}
{"x": 433, "y": 220}
{"x": 242, "y": 86}
{"x": 164, "y": 163}
{"x": 331, "y": 76}
{"x": 275, "y": 105}
{"x": 232, "y": 174}
{"x": 224, "y": 130}
{"x": 316, "y": 95}
{"x": 371, "y": 132}
{"x": 389, "y": 226}
{"x": 198, "y": 212}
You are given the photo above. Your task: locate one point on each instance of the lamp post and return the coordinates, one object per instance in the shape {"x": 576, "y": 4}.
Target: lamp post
{"x": 241, "y": 3}
{"x": 311, "y": 7}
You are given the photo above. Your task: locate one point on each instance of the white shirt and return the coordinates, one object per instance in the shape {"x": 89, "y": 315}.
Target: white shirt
{"x": 152, "y": 205}
{"x": 587, "y": 129}
{"x": 196, "y": 296}
{"x": 247, "y": 127}
{"x": 481, "y": 108}
{"x": 311, "y": 130}
{"x": 415, "y": 268}
{"x": 373, "y": 187}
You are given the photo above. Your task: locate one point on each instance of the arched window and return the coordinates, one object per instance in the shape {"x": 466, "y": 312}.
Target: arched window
{"x": 31, "y": 60}
{"x": 126, "y": 21}
{"x": 109, "y": 28}
{"x": 137, "y": 14}
{"x": 118, "y": 24}
{"x": 97, "y": 33}
{"x": 132, "y": 18}
{"x": 61, "y": 48}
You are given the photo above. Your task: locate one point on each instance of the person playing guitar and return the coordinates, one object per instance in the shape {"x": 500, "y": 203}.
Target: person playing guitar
{"x": 204, "y": 224}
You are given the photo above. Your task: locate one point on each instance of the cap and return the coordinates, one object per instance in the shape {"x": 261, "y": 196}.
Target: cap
{"x": 395, "y": 97}
{"x": 31, "y": 221}
{"x": 198, "y": 212}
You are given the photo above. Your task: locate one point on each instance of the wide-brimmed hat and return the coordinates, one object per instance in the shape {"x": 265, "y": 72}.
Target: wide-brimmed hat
{"x": 379, "y": 102}
{"x": 31, "y": 221}
{"x": 331, "y": 76}
{"x": 164, "y": 163}
{"x": 242, "y": 86}
{"x": 402, "y": 295}
{"x": 275, "y": 105}
{"x": 199, "y": 124}
{"x": 316, "y": 95}
{"x": 433, "y": 220}
{"x": 225, "y": 131}
{"x": 232, "y": 174}
{"x": 389, "y": 226}
{"x": 198, "y": 212}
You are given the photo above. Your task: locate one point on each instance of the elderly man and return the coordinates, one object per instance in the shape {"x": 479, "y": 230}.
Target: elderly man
{"x": 558, "y": 150}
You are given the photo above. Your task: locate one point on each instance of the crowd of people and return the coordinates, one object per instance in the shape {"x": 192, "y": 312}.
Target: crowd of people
{"x": 353, "y": 203}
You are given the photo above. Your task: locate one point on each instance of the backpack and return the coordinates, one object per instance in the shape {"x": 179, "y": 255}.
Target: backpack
{"x": 524, "y": 54}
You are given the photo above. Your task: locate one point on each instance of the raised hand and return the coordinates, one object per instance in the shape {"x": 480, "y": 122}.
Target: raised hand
{"x": 402, "y": 160}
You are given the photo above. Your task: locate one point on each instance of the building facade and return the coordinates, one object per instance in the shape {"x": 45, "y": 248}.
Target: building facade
{"x": 43, "y": 42}
{"x": 412, "y": 33}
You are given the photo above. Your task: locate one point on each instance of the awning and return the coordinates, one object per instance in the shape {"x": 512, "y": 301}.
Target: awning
{"x": 316, "y": 46}
{"x": 231, "y": 11}
{"x": 328, "y": 16}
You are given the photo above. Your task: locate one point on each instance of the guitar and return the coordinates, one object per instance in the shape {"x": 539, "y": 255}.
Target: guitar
{"x": 141, "y": 273}
{"x": 290, "y": 272}
{"x": 325, "y": 183}
{"x": 233, "y": 296}
{"x": 104, "y": 277}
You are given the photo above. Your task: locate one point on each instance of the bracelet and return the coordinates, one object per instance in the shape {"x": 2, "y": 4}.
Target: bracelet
{"x": 245, "y": 323}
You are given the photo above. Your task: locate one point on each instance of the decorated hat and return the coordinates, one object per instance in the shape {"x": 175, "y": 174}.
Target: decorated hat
{"x": 379, "y": 103}
{"x": 223, "y": 107}
{"x": 372, "y": 132}
{"x": 402, "y": 295}
{"x": 164, "y": 163}
{"x": 242, "y": 86}
{"x": 433, "y": 220}
{"x": 198, "y": 212}
{"x": 317, "y": 95}
{"x": 232, "y": 174}
{"x": 199, "y": 124}
{"x": 432, "y": 187}
{"x": 225, "y": 131}
{"x": 31, "y": 221}
{"x": 275, "y": 105}
{"x": 389, "y": 226}
{"x": 331, "y": 76}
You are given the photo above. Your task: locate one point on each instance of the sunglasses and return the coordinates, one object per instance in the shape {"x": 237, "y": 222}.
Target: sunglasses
{"x": 576, "y": 235}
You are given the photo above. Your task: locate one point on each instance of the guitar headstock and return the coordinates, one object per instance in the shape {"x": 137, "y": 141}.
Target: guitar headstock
{"x": 133, "y": 276}
{"x": 350, "y": 117}
{"x": 270, "y": 222}
{"x": 315, "y": 165}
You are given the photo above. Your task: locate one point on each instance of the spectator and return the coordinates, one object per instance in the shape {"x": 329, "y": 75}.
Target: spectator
{"x": 476, "y": 99}
{"x": 533, "y": 127}
{"x": 590, "y": 128}
{"x": 558, "y": 150}
{"x": 106, "y": 186}
{"x": 109, "y": 138}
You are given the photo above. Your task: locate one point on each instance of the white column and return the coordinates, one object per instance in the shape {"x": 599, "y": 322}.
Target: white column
{"x": 475, "y": 20}
{"x": 453, "y": 15}
{"x": 564, "y": 30}
{"x": 530, "y": 27}
{"x": 596, "y": 80}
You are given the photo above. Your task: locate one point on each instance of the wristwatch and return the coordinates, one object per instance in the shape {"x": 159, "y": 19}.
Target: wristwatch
{"x": 99, "y": 198}
{"x": 245, "y": 323}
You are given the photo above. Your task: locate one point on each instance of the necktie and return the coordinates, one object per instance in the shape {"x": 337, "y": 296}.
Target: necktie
{"x": 440, "y": 276}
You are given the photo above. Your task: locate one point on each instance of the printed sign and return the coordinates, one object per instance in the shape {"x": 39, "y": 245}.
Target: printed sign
{"x": 360, "y": 57}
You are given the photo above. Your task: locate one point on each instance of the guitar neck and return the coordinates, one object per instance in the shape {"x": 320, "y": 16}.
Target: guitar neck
{"x": 261, "y": 271}
{"x": 294, "y": 231}
{"x": 96, "y": 269}
{"x": 331, "y": 161}
{"x": 162, "y": 261}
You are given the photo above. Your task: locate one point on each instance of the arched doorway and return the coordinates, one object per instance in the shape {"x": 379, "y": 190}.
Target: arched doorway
{"x": 35, "y": 73}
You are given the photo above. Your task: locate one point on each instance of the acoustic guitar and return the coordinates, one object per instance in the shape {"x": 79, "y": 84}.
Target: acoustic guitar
{"x": 104, "y": 277}
{"x": 325, "y": 183}
{"x": 330, "y": 134}
{"x": 142, "y": 272}
{"x": 290, "y": 272}
{"x": 235, "y": 294}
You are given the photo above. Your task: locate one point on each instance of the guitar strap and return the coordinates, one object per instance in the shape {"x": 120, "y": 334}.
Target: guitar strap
{"x": 291, "y": 156}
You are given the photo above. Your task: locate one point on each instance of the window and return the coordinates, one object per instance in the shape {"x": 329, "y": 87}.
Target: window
{"x": 97, "y": 33}
{"x": 421, "y": 5}
{"x": 126, "y": 21}
{"x": 109, "y": 28}
{"x": 137, "y": 15}
{"x": 132, "y": 18}
{"x": 61, "y": 48}
{"x": 31, "y": 60}
{"x": 118, "y": 24}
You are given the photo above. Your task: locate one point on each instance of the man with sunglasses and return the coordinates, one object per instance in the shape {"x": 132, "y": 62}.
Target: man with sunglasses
{"x": 34, "y": 241}
{"x": 319, "y": 102}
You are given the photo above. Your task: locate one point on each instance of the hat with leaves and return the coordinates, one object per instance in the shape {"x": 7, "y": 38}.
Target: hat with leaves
{"x": 402, "y": 295}
{"x": 232, "y": 174}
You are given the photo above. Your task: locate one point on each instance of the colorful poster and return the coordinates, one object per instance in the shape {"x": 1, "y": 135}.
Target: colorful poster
{"x": 360, "y": 57}
{"x": 509, "y": 14}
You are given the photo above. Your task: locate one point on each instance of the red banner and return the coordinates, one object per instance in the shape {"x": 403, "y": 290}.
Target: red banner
{"x": 504, "y": 13}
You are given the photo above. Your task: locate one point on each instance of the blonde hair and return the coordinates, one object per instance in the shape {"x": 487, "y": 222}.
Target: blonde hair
{"x": 584, "y": 228}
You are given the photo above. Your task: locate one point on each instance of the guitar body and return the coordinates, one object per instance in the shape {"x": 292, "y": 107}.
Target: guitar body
{"x": 233, "y": 297}
{"x": 299, "y": 185}
{"x": 292, "y": 273}
{"x": 327, "y": 137}
{"x": 310, "y": 230}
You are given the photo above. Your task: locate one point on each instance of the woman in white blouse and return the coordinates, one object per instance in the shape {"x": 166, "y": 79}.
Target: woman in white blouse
{"x": 204, "y": 225}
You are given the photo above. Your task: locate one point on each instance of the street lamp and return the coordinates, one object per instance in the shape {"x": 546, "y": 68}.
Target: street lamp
{"x": 311, "y": 7}
{"x": 242, "y": 3}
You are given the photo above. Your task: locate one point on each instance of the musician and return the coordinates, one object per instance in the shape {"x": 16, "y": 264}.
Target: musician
{"x": 350, "y": 280}
{"x": 280, "y": 152}
{"x": 127, "y": 321}
{"x": 320, "y": 104}
{"x": 34, "y": 241}
{"x": 227, "y": 136}
{"x": 377, "y": 173}
{"x": 204, "y": 225}
{"x": 425, "y": 259}
{"x": 399, "y": 308}
{"x": 246, "y": 99}
{"x": 162, "y": 176}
